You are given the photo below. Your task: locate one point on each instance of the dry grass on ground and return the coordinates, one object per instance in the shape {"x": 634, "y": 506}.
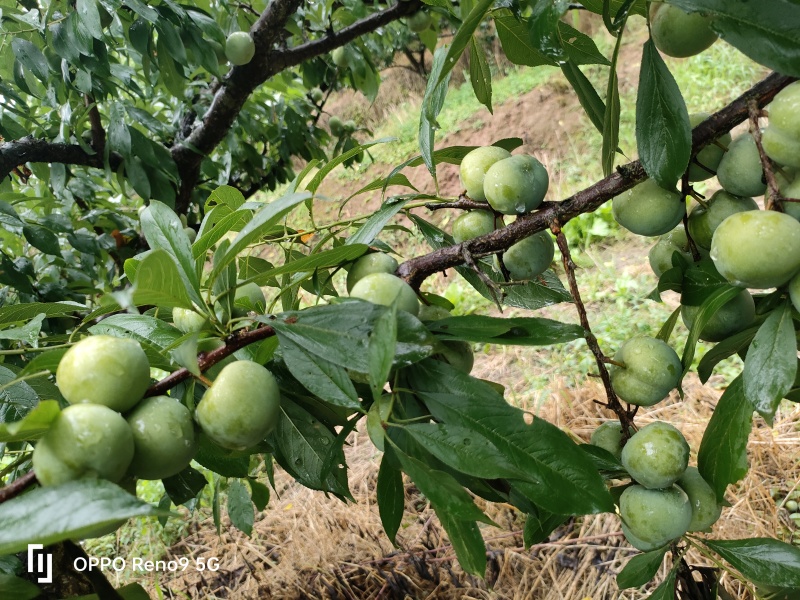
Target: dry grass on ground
{"x": 308, "y": 546}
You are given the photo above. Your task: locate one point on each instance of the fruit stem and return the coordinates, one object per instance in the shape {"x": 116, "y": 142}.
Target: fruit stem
{"x": 774, "y": 199}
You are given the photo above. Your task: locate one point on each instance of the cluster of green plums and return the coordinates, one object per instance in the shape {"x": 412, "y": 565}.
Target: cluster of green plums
{"x": 510, "y": 185}
{"x": 110, "y": 431}
{"x": 341, "y": 128}
{"x": 667, "y": 497}
{"x": 788, "y": 501}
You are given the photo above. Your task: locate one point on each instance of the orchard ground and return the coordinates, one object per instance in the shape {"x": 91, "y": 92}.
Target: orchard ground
{"x": 306, "y": 545}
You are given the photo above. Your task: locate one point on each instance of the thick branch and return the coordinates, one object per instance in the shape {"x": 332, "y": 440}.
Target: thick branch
{"x": 268, "y": 61}
{"x": 35, "y": 150}
{"x": 416, "y": 270}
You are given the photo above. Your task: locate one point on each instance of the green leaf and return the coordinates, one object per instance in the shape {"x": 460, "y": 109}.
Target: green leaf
{"x": 31, "y": 58}
{"x": 153, "y": 334}
{"x": 596, "y": 6}
{"x": 227, "y": 463}
{"x": 587, "y": 95}
{"x": 391, "y": 498}
{"x": 611, "y": 114}
{"x": 89, "y": 18}
{"x": 566, "y": 481}
{"x": 724, "y": 349}
{"x": 539, "y": 526}
{"x": 765, "y": 31}
{"x": 462, "y": 37}
{"x": 543, "y": 24}
{"x": 580, "y": 48}
{"x": 467, "y": 541}
{"x": 320, "y": 260}
{"x": 42, "y": 239}
{"x": 380, "y": 350}
{"x": 18, "y": 588}
{"x": 763, "y": 561}
{"x": 16, "y": 400}
{"x": 666, "y": 329}
{"x": 158, "y": 281}
{"x": 28, "y": 333}
{"x": 184, "y": 486}
{"x": 663, "y": 133}
{"x": 641, "y": 569}
{"x": 316, "y": 181}
{"x": 516, "y": 331}
{"x": 432, "y": 103}
{"x": 771, "y": 363}
{"x": 264, "y": 218}
{"x": 479, "y": 74}
{"x": 700, "y": 280}
{"x": 240, "y": 508}
{"x": 719, "y": 298}
{"x": 665, "y": 591}
{"x": 514, "y": 38}
{"x": 722, "y": 458}
{"x": 52, "y": 514}
{"x": 367, "y": 233}
{"x": 259, "y": 494}
{"x": 33, "y": 425}
{"x": 132, "y": 591}
{"x": 23, "y": 312}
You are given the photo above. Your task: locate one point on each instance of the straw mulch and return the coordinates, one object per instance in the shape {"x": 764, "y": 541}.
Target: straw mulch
{"x": 308, "y": 546}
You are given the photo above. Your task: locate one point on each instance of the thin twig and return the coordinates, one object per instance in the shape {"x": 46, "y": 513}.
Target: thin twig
{"x": 773, "y": 198}
{"x": 16, "y": 487}
{"x": 625, "y": 415}
{"x": 494, "y": 290}
{"x": 463, "y": 202}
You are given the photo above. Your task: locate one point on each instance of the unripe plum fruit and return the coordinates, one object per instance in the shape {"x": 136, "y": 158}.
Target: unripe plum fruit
{"x": 660, "y": 255}
{"x": 188, "y": 320}
{"x": 419, "y": 21}
{"x": 102, "y": 369}
{"x": 655, "y": 516}
{"x": 656, "y": 456}
{"x": 705, "y": 509}
{"x": 530, "y": 257}
{"x": 85, "y": 440}
{"x": 794, "y": 291}
{"x": 191, "y": 234}
{"x": 516, "y": 185}
{"x": 704, "y": 220}
{"x": 791, "y": 189}
{"x": 757, "y": 249}
{"x": 163, "y": 437}
{"x": 609, "y": 437}
{"x": 431, "y": 312}
{"x": 784, "y": 111}
{"x": 458, "y": 354}
{"x": 731, "y": 318}
{"x": 710, "y": 156}
{"x": 248, "y": 297}
{"x": 384, "y": 289}
{"x": 648, "y": 209}
{"x": 317, "y": 95}
{"x": 336, "y": 126}
{"x": 652, "y": 369}
{"x": 740, "y": 171}
{"x": 341, "y": 56}
{"x": 241, "y": 407}
{"x": 474, "y": 167}
{"x": 350, "y": 126}
{"x": 638, "y": 543}
{"x": 375, "y": 262}
{"x": 240, "y": 48}
{"x": 678, "y": 33}
{"x": 781, "y": 147}
{"x": 473, "y": 224}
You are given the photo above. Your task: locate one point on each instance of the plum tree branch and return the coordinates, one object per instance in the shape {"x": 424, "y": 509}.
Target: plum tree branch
{"x": 16, "y": 487}
{"x": 416, "y": 270}
{"x": 37, "y": 150}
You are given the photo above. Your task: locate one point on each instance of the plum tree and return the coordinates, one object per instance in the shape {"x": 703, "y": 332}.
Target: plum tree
{"x": 656, "y": 456}
{"x": 647, "y": 370}
{"x": 781, "y": 138}
{"x": 474, "y": 167}
{"x": 472, "y": 224}
{"x": 648, "y": 209}
{"x": 608, "y": 436}
{"x": 85, "y": 440}
{"x": 385, "y": 289}
{"x": 240, "y": 48}
{"x": 374, "y": 262}
{"x": 734, "y": 316}
{"x": 660, "y": 255}
{"x": 704, "y": 219}
{"x": 516, "y": 185}
{"x": 740, "y": 171}
{"x": 705, "y": 509}
{"x": 102, "y": 369}
{"x": 655, "y": 516}
{"x": 241, "y": 407}
{"x": 678, "y": 33}
{"x": 530, "y": 257}
{"x": 707, "y": 161}
{"x": 163, "y": 437}
{"x": 757, "y": 249}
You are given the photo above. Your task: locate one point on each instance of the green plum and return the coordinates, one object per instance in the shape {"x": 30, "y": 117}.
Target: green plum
{"x": 341, "y": 56}
{"x": 241, "y": 407}
{"x": 458, "y": 354}
{"x": 240, "y": 48}
{"x": 375, "y": 262}
{"x": 781, "y": 147}
{"x": 660, "y": 255}
{"x": 163, "y": 437}
{"x": 757, "y": 249}
{"x": 705, "y": 509}
{"x": 87, "y": 440}
{"x": 474, "y": 167}
{"x": 336, "y": 126}
{"x": 791, "y": 189}
{"x": 248, "y": 297}
{"x": 191, "y": 234}
{"x": 704, "y": 220}
{"x": 102, "y": 369}
{"x": 350, "y": 126}
{"x": 385, "y": 289}
{"x": 655, "y": 516}
{"x": 609, "y": 437}
{"x": 473, "y": 224}
{"x": 740, "y": 171}
{"x": 317, "y": 95}
{"x": 652, "y": 370}
{"x": 641, "y": 544}
{"x": 784, "y": 111}
{"x": 516, "y": 185}
{"x": 705, "y": 163}
{"x": 656, "y": 456}
{"x": 648, "y": 209}
{"x": 731, "y": 318}
{"x": 794, "y": 291}
{"x": 188, "y": 321}
{"x": 530, "y": 257}
{"x": 678, "y": 33}
{"x": 419, "y": 21}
